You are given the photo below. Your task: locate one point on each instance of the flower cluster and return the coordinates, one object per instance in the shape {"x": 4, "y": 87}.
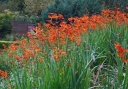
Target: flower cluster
{"x": 3, "y": 73}
{"x": 57, "y": 33}
{"x": 121, "y": 52}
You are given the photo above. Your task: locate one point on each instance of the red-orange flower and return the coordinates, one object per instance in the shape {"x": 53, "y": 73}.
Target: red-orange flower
{"x": 53, "y": 16}
{"x": 126, "y": 50}
{"x": 39, "y": 24}
{"x": 125, "y": 60}
{"x": 18, "y": 58}
{"x": 3, "y": 73}
{"x": 25, "y": 57}
{"x": 13, "y": 47}
{"x": 4, "y": 46}
{"x": 121, "y": 52}
{"x": 120, "y": 49}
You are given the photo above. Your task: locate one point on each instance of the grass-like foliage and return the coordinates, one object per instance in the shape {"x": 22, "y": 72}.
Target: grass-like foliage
{"x": 86, "y": 53}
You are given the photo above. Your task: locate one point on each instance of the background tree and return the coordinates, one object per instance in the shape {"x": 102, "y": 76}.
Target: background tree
{"x": 12, "y": 5}
{"x": 3, "y": 0}
{"x": 71, "y": 8}
{"x": 115, "y": 3}
{"x": 35, "y": 6}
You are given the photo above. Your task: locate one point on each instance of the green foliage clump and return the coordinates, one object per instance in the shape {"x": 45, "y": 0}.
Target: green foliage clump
{"x": 71, "y": 8}
{"x": 5, "y": 25}
{"x": 35, "y": 6}
{"x": 3, "y": 6}
{"x": 12, "y": 5}
{"x": 116, "y": 3}
{"x": 3, "y": 0}
{"x": 31, "y": 19}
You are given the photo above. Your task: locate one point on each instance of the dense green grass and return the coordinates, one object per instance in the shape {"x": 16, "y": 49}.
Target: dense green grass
{"x": 92, "y": 65}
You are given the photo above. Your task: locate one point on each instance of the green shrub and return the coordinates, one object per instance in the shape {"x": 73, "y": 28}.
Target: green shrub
{"x": 35, "y": 6}
{"x": 116, "y": 3}
{"x": 3, "y": 0}
{"x": 32, "y": 19}
{"x": 71, "y": 8}
{"x": 3, "y": 6}
{"x": 12, "y": 5}
{"x": 5, "y": 25}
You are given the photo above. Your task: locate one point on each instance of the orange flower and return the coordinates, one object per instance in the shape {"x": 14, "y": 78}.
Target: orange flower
{"x": 3, "y": 73}
{"x": 125, "y": 60}
{"x": 13, "y": 47}
{"x": 56, "y": 57}
{"x": 121, "y": 52}
{"x": 120, "y": 49}
{"x": 25, "y": 57}
{"x": 126, "y": 50}
{"x": 28, "y": 52}
{"x": 10, "y": 54}
{"x": 52, "y": 16}
{"x": 4, "y": 46}
{"x": 18, "y": 58}
{"x": 39, "y": 24}
{"x": 58, "y": 54}
{"x": 70, "y": 19}
{"x": 41, "y": 61}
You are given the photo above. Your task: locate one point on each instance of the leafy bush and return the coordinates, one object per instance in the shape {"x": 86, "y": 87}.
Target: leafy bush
{"x": 35, "y": 6}
{"x": 32, "y": 19}
{"x": 12, "y": 5}
{"x": 71, "y": 8}
{"x": 116, "y": 3}
{"x": 5, "y": 26}
{"x": 3, "y": 0}
{"x": 3, "y": 6}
